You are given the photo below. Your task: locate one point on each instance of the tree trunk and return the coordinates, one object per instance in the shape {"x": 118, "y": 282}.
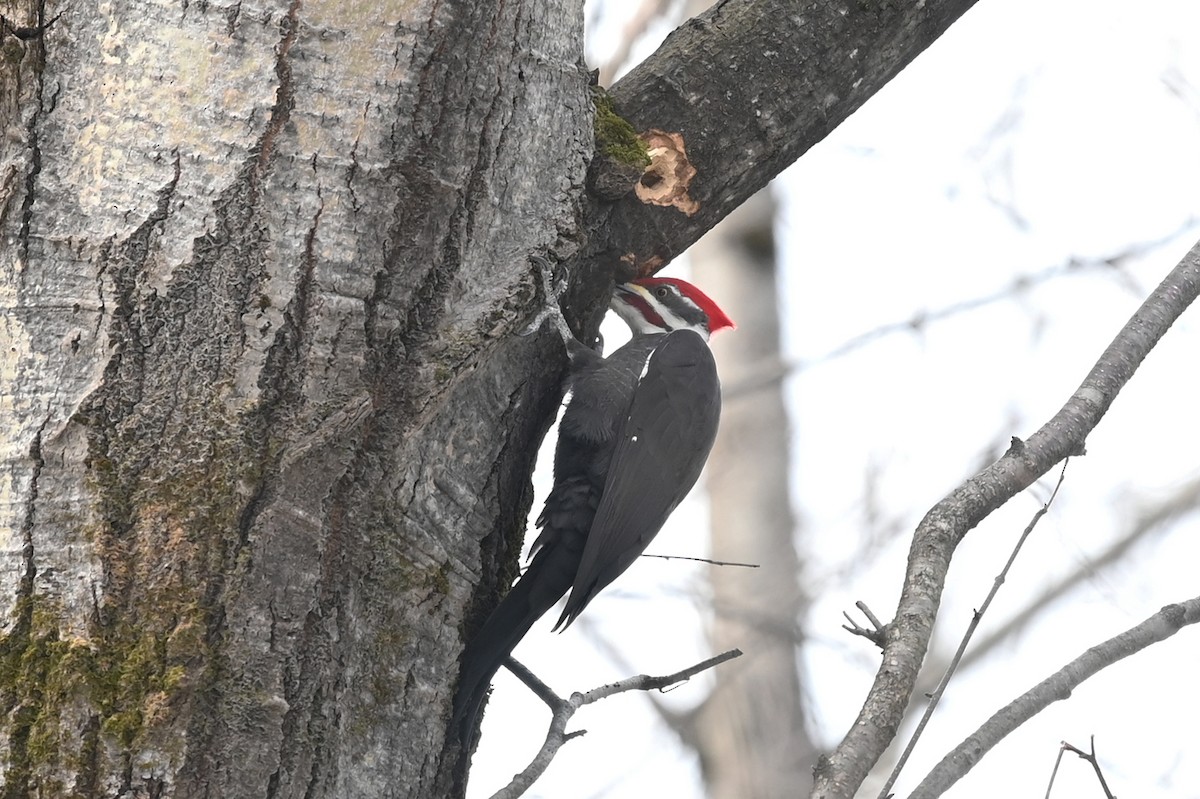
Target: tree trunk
{"x": 262, "y": 265}
{"x": 750, "y": 731}
{"x": 267, "y": 429}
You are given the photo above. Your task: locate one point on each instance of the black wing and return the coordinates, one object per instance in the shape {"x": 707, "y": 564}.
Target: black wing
{"x": 658, "y": 458}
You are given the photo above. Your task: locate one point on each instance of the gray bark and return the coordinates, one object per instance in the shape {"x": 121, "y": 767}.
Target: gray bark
{"x": 262, "y": 263}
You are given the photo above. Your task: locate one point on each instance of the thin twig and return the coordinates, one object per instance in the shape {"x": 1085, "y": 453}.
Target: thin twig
{"x": 1091, "y": 758}
{"x": 877, "y": 636}
{"x": 709, "y": 561}
{"x": 563, "y": 709}
{"x": 768, "y": 373}
{"x": 1153, "y": 520}
{"x": 866, "y": 611}
{"x": 1054, "y": 773}
{"x": 533, "y": 683}
{"x": 936, "y": 697}
{"x": 1159, "y": 627}
{"x": 644, "y": 682}
{"x": 704, "y": 560}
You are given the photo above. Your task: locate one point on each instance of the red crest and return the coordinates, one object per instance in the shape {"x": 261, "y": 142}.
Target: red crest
{"x": 717, "y": 319}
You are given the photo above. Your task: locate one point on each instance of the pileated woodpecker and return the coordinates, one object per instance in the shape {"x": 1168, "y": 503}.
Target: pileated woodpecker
{"x": 631, "y": 444}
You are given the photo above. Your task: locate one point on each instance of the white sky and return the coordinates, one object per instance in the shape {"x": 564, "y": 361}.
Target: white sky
{"x": 1057, "y": 111}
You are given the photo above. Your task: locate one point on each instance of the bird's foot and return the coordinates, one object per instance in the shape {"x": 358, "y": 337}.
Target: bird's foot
{"x": 552, "y": 290}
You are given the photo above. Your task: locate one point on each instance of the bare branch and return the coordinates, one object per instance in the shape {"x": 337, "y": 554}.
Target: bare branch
{"x": 709, "y": 561}
{"x": 1159, "y": 627}
{"x": 1152, "y": 520}
{"x": 564, "y": 709}
{"x": 1091, "y": 758}
{"x": 940, "y": 532}
{"x": 936, "y": 697}
{"x": 533, "y": 683}
{"x": 1054, "y": 771}
{"x": 877, "y": 636}
{"x": 719, "y": 78}
{"x": 644, "y": 682}
{"x": 677, "y": 722}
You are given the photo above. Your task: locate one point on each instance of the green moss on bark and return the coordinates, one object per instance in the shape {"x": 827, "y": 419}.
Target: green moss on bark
{"x": 168, "y": 540}
{"x": 56, "y": 689}
{"x": 615, "y": 137}
{"x": 47, "y": 682}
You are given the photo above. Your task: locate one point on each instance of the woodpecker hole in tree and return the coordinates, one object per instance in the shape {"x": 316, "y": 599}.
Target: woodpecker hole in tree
{"x": 666, "y": 180}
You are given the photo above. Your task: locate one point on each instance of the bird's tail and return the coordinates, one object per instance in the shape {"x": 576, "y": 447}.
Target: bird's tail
{"x": 543, "y": 584}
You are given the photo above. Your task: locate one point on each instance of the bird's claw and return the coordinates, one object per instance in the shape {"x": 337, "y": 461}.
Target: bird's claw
{"x": 551, "y": 291}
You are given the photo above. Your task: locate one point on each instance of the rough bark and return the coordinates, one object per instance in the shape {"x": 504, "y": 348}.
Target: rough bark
{"x": 261, "y": 268}
{"x": 750, "y": 731}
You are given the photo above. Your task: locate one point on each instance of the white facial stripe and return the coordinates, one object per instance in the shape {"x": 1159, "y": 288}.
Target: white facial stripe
{"x": 640, "y": 324}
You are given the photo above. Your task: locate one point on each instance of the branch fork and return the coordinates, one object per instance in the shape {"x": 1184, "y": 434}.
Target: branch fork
{"x": 563, "y": 709}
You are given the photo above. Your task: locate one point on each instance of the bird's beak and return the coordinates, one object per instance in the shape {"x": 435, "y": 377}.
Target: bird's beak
{"x": 621, "y": 290}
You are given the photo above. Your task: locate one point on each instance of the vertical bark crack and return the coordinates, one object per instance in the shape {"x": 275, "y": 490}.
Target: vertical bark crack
{"x": 27, "y": 549}
{"x": 282, "y": 378}
{"x": 285, "y": 98}
{"x": 37, "y": 60}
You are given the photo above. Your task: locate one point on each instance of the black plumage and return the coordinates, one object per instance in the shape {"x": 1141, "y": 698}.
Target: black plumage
{"x": 631, "y": 444}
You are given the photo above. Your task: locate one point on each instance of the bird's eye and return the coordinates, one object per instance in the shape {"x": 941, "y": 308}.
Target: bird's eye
{"x": 662, "y": 292}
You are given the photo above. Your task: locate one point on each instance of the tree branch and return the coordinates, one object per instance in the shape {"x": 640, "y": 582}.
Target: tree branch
{"x": 709, "y": 561}
{"x": 563, "y": 709}
{"x": 1152, "y": 520}
{"x": 1149, "y": 522}
{"x": 766, "y": 373}
{"x": 936, "y": 697}
{"x": 750, "y": 86}
{"x": 940, "y": 532}
{"x": 1089, "y": 757}
{"x": 1159, "y": 627}
{"x": 533, "y": 683}
{"x": 877, "y": 634}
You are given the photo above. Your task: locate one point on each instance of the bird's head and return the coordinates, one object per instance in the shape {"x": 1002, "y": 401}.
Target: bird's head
{"x": 662, "y": 304}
